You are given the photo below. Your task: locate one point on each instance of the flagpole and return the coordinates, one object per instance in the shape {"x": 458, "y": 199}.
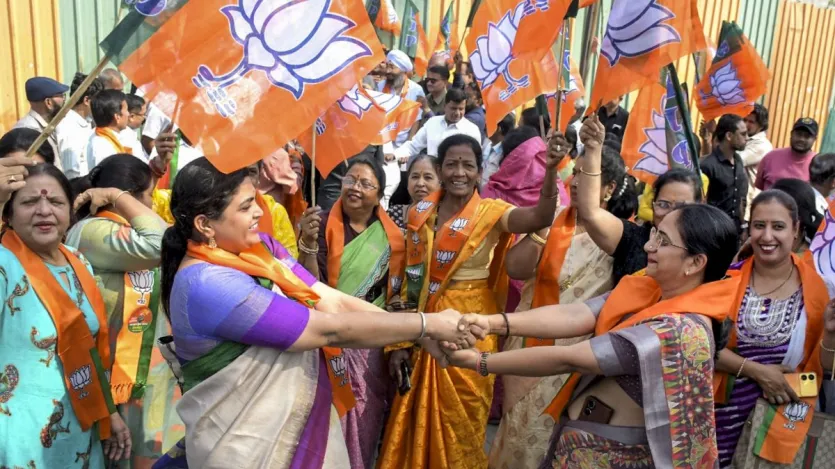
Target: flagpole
{"x": 561, "y": 63}
{"x": 594, "y": 20}
{"x": 685, "y": 116}
{"x": 313, "y": 168}
{"x": 74, "y": 99}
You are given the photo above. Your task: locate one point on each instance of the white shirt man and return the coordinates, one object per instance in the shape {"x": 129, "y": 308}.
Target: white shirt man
{"x": 430, "y": 136}
{"x": 73, "y": 134}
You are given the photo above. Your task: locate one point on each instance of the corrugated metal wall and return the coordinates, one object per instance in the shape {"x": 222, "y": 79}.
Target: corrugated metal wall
{"x": 757, "y": 19}
{"x": 84, "y": 23}
{"x": 29, "y": 47}
{"x": 802, "y": 67}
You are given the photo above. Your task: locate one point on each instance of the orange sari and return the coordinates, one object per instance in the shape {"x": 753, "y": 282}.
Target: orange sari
{"x": 441, "y": 423}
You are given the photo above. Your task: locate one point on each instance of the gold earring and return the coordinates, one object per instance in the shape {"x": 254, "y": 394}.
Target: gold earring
{"x": 212, "y": 243}
{"x": 686, "y": 273}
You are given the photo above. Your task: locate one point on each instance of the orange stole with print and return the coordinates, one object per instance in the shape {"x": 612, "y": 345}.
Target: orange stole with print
{"x": 441, "y": 423}
{"x": 258, "y": 261}
{"x": 335, "y": 237}
{"x": 640, "y": 297}
{"x": 84, "y": 358}
{"x": 135, "y": 341}
{"x": 547, "y": 287}
{"x": 785, "y": 427}
{"x": 111, "y": 137}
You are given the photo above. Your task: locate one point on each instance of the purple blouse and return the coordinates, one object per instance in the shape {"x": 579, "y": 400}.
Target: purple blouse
{"x": 211, "y": 304}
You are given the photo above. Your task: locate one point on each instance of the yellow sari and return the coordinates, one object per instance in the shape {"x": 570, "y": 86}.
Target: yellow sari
{"x": 441, "y": 423}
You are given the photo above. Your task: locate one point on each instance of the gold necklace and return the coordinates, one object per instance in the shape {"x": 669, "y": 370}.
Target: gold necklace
{"x": 754, "y": 285}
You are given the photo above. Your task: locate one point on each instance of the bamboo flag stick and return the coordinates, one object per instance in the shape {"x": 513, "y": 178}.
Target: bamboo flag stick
{"x": 74, "y": 99}
{"x": 313, "y": 168}
{"x": 566, "y": 25}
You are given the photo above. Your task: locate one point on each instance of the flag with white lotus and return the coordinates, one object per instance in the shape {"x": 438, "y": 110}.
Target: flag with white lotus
{"x": 448, "y": 38}
{"x": 506, "y": 81}
{"x": 654, "y": 140}
{"x": 736, "y": 79}
{"x": 642, "y": 37}
{"x": 384, "y": 15}
{"x": 242, "y": 77}
{"x": 540, "y": 27}
{"x": 401, "y": 114}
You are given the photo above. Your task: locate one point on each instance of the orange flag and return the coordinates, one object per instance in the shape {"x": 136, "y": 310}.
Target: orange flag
{"x": 736, "y": 78}
{"x": 586, "y": 3}
{"x": 539, "y": 27}
{"x": 572, "y": 91}
{"x": 242, "y": 79}
{"x": 644, "y": 147}
{"x": 345, "y": 129}
{"x": 506, "y": 82}
{"x": 642, "y": 37}
{"x": 387, "y": 19}
{"x": 401, "y": 114}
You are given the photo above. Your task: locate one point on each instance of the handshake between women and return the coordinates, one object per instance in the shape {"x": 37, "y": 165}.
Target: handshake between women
{"x": 449, "y": 331}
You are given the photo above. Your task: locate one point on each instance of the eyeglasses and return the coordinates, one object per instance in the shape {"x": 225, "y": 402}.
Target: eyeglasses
{"x": 658, "y": 240}
{"x": 366, "y": 185}
{"x": 667, "y": 206}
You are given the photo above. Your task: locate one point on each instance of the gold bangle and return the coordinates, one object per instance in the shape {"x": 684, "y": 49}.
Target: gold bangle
{"x": 591, "y": 174}
{"x": 117, "y": 197}
{"x": 739, "y": 373}
{"x": 537, "y": 239}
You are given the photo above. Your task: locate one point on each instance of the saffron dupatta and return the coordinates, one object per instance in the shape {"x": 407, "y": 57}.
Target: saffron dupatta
{"x": 135, "y": 341}
{"x": 779, "y": 439}
{"x": 637, "y": 300}
{"x": 84, "y": 358}
{"x": 259, "y": 262}
{"x": 335, "y": 237}
{"x": 113, "y": 139}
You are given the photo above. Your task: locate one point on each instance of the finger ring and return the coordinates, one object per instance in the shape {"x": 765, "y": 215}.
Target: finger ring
{"x": 12, "y": 179}
{"x": 559, "y": 148}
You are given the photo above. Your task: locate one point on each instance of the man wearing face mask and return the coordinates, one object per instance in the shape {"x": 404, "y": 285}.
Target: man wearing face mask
{"x": 45, "y": 96}
{"x": 792, "y": 162}
{"x": 440, "y": 127}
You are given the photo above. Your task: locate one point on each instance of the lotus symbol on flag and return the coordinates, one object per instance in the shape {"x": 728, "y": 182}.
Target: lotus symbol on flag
{"x": 822, "y": 252}
{"x": 415, "y": 237}
{"x": 413, "y": 272}
{"x": 423, "y": 206}
{"x": 355, "y": 102}
{"x": 492, "y": 56}
{"x": 433, "y": 287}
{"x": 294, "y": 42}
{"x": 444, "y": 257}
{"x": 388, "y": 102}
{"x": 338, "y": 367}
{"x": 147, "y": 7}
{"x": 532, "y": 5}
{"x": 635, "y": 28}
{"x": 795, "y": 412}
{"x": 725, "y": 86}
{"x": 143, "y": 283}
{"x": 655, "y": 147}
{"x": 396, "y": 283}
{"x": 457, "y": 225}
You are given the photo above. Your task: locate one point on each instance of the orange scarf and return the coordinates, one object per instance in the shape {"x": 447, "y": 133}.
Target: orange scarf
{"x": 259, "y": 262}
{"x": 135, "y": 340}
{"x": 84, "y": 358}
{"x": 448, "y": 243}
{"x": 779, "y": 439}
{"x": 638, "y": 299}
{"x": 113, "y": 138}
{"x": 265, "y": 223}
{"x": 335, "y": 237}
{"x": 547, "y": 287}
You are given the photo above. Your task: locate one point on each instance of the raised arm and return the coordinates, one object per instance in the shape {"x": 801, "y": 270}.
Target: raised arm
{"x": 605, "y": 229}
{"x": 524, "y": 256}
{"x": 413, "y": 147}
{"x": 530, "y": 219}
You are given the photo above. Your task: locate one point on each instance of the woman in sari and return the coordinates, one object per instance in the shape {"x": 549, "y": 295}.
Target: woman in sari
{"x": 352, "y": 252}
{"x": 652, "y": 352}
{"x": 421, "y": 180}
{"x": 56, "y": 409}
{"x": 560, "y": 265}
{"x": 616, "y": 235}
{"x": 259, "y": 338}
{"x": 779, "y": 316}
{"x": 454, "y": 237}
{"x": 123, "y": 243}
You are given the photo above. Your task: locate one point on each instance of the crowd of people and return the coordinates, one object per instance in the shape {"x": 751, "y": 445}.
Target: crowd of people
{"x": 160, "y": 313}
